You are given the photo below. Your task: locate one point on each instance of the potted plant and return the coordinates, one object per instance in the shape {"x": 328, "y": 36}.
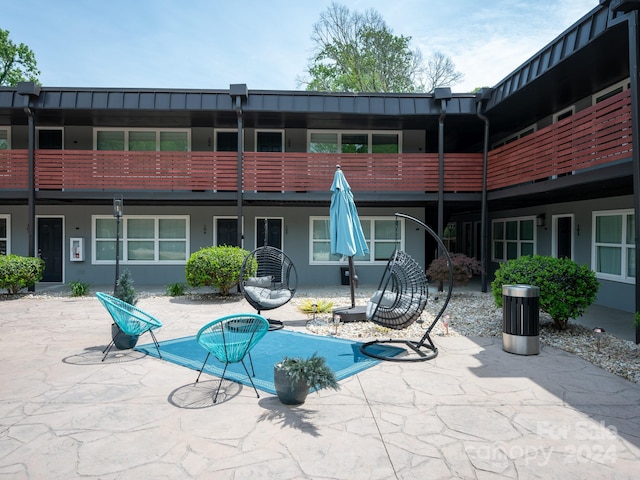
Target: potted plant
{"x": 294, "y": 377}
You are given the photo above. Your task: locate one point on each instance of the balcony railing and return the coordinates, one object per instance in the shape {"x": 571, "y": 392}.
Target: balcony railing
{"x": 598, "y": 135}
{"x": 593, "y": 137}
{"x": 70, "y": 170}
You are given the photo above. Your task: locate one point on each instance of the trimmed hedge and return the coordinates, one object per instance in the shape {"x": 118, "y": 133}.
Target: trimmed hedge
{"x": 217, "y": 267}
{"x": 566, "y": 288}
{"x": 18, "y": 272}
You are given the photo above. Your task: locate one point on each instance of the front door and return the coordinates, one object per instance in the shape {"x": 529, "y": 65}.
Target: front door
{"x": 563, "y": 236}
{"x": 274, "y": 232}
{"x": 50, "y": 234}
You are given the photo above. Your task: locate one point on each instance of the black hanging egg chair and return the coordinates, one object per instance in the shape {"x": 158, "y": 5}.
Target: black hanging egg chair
{"x": 268, "y": 280}
{"x": 399, "y": 301}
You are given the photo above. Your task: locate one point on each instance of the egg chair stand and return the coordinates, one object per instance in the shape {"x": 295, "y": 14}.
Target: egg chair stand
{"x": 400, "y": 300}
{"x": 268, "y": 280}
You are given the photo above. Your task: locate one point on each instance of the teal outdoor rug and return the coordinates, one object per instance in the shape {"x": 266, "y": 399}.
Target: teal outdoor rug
{"x": 342, "y": 355}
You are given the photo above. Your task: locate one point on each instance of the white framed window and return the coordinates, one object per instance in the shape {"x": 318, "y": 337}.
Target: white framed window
{"x": 5, "y": 138}
{"x": 516, "y": 136}
{"x": 327, "y": 141}
{"x": 610, "y": 91}
{"x": 382, "y": 234}
{"x": 564, "y": 113}
{"x": 5, "y": 234}
{"x": 144, "y": 240}
{"x": 614, "y": 242}
{"x": 513, "y": 238}
{"x": 142, "y": 139}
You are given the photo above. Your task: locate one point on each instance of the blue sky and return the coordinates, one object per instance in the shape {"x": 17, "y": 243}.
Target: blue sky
{"x": 208, "y": 44}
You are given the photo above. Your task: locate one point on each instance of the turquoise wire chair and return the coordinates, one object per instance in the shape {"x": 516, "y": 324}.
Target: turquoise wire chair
{"x": 129, "y": 319}
{"x": 230, "y": 339}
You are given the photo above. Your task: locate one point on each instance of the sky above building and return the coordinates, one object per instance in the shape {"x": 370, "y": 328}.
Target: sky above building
{"x": 208, "y": 44}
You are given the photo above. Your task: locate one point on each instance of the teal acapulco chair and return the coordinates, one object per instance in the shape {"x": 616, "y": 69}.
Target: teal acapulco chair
{"x": 129, "y": 319}
{"x": 230, "y": 339}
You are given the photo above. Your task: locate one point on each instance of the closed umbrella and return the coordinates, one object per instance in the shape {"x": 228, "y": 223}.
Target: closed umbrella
{"x": 347, "y": 237}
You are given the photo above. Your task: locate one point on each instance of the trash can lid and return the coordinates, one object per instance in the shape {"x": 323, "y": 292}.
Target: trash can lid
{"x": 521, "y": 290}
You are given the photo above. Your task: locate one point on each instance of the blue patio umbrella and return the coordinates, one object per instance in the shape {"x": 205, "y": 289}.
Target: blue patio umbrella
{"x": 345, "y": 230}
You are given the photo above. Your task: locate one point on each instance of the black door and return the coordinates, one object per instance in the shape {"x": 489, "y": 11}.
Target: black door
{"x": 274, "y": 232}
{"x": 564, "y": 237}
{"x": 50, "y": 248}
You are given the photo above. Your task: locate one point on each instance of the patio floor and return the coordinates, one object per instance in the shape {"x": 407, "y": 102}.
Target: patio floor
{"x": 474, "y": 411}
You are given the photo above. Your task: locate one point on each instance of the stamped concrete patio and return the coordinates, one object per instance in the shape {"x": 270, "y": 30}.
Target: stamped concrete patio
{"x": 474, "y": 412}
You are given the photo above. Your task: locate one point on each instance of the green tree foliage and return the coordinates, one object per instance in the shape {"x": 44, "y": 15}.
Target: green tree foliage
{"x": 217, "y": 267}
{"x": 566, "y": 288}
{"x": 358, "y": 52}
{"x": 17, "y": 62}
{"x": 18, "y": 272}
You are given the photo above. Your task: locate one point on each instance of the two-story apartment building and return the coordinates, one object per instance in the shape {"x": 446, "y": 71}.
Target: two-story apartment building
{"x": 542, "y": 163}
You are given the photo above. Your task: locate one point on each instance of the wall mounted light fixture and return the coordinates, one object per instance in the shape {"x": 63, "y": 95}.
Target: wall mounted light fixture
{"x": 541, "y": 220}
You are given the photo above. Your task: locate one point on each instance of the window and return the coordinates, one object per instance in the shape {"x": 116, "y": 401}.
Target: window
{"x": 226, "y": 141}
{"x": 449, "y": 237}
{"x": 513, "y": 238}
{"x": 609, "y": 92}
{"x": 354, "y": 142}
{"x": 379, "y": 232}
{"x": 269, "y": 141}
{"x": 143, "y": 240}
{"x": 5, "y": 138}
{"x": 562, "y": 114}
{"x": 516, "y": 136}
{"x": 614, "y": 242}
{"x": 5, "y": 232}
{"x": 142, "y": 140}
{"x": 225, "y": 231}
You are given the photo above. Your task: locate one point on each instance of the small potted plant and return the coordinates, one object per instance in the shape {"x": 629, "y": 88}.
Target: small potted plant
{"x": 294, "y": 377}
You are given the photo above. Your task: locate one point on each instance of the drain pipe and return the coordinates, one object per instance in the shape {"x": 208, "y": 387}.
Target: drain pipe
{"x": 481, "y": 98}
{"x": 441, "y": 95}
{"x": 238, "y": 93}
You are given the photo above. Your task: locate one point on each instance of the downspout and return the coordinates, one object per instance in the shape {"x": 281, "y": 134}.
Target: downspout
{"x": 30, "y": 91}
{"x": 442, "y": 95}
{"x": 239, "y": 92}
{"x": 481, "y": 98}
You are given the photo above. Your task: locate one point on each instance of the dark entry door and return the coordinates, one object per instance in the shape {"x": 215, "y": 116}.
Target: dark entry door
{"x": 274, "y": 232}
{"x": 50, "y": 248}
{"x": 564, "y": 238}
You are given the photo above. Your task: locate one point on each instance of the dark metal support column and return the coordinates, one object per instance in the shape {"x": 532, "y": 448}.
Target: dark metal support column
{"x": 31, "y": 91}
{"x": 481, "y": 99}
{"x": 441, "y": 95}
{"x": 239, "y": 93}
{"x": 634, "y": 63}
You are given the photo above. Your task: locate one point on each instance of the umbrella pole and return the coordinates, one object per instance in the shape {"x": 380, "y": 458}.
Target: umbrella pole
{"x": 352, "y": 281}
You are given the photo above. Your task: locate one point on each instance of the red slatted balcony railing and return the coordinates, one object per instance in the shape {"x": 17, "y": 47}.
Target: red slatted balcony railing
{"x": 70, "y": 170}
{"x": 595, "y": 136}
{"x": 598, "y": 135}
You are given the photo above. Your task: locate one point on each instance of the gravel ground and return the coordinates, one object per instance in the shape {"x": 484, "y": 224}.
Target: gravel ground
{"x": 475, "y": 314}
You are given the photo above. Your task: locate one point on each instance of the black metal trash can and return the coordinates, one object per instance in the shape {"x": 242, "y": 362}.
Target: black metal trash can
{"x": 344, "y": 275}
{"x": 521, "y": 319}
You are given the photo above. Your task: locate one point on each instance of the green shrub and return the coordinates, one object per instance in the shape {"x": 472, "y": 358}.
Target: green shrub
{"x": 566, "y": 288}
{"x": 217, "y": 267}
{"x": 124, "y": 288}
{"x": 464, "y": 268}
{"x": 18, "y": 272}
{"x": 321, "y": 306}
{"x": 79, "y": 289}
{"x": 176, "y": 289}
